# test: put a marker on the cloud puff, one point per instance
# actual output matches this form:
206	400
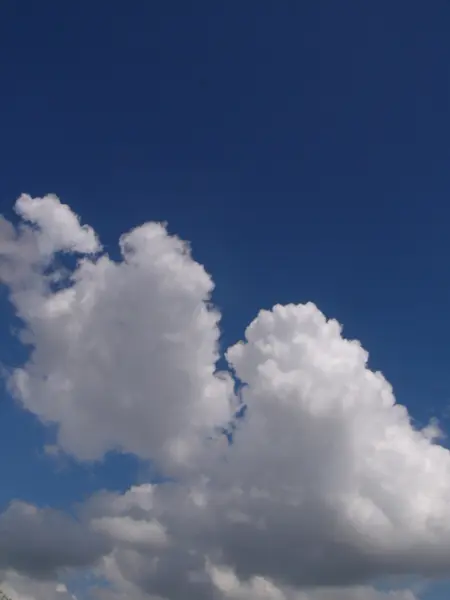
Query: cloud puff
133	565
39	542
59	228
330	479
124	353
326	486
262	589
187	562
20	587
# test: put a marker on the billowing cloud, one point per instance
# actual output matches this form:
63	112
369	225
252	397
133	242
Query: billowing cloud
262	589
187	562
330	480
39	542
19	587
326	486
124	353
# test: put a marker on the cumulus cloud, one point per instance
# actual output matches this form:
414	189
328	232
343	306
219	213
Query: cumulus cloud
326	486
39	542
124	354
59	227
263	589
330	478
19	587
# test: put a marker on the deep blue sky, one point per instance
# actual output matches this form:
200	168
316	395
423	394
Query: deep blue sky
301	146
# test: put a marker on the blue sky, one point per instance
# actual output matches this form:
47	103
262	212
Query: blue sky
301	147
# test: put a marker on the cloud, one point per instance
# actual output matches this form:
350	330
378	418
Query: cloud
262	589
124	354
59	228
39	542
20	587
332	482
326	487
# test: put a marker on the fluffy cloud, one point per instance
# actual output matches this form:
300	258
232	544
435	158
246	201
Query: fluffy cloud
123	353
262	589
327	484
185	563
330	480
39	542
20	587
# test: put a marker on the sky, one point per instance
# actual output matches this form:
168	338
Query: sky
209	206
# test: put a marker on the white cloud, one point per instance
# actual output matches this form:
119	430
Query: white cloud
327	484
334	481
58	228
123	357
